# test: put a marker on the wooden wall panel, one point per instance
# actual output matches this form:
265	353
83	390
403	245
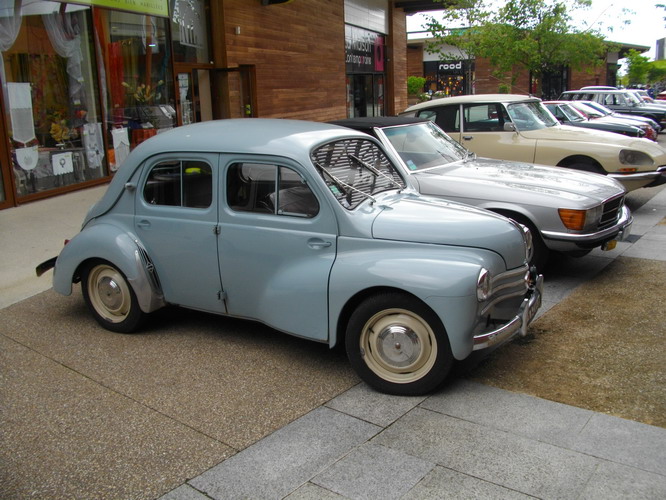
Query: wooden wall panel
415	60
298	50
397	64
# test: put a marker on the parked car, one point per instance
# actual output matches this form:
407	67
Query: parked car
594	111
567	114
567	211
311	229
621	101
520	128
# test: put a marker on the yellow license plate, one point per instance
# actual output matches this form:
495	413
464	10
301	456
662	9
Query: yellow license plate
609	245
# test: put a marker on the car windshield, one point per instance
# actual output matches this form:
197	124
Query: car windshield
424	145
530	116
355	170
599	107
633	98
588	110
569	112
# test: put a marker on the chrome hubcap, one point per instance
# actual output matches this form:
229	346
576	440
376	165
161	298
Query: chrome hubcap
398	346
110	293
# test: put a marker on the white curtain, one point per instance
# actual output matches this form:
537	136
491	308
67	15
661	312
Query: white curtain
63	30
10	25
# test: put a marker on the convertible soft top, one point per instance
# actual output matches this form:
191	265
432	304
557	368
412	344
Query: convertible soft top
368	122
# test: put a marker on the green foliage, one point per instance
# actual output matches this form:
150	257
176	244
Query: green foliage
415	85
637	67
535	35
656	71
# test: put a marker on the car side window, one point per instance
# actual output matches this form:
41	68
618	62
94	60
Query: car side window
180	183
484	117
447	117
269	189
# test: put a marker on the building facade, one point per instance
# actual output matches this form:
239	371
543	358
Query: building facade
85	82
462	75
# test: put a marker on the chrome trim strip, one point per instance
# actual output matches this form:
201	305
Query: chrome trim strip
638	176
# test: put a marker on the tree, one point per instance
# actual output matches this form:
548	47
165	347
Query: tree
637	67
533	35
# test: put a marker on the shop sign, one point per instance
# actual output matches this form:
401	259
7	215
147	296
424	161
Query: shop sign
364	51
451	67
150	7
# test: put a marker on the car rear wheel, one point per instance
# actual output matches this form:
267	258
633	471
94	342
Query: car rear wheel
110	297
397	345
587	167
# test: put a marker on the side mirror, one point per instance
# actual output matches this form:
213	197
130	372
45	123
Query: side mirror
509	127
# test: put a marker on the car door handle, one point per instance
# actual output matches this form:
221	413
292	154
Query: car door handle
317	243
468	137
143	224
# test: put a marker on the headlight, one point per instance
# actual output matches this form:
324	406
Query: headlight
580	220
633	157
529	246
484	288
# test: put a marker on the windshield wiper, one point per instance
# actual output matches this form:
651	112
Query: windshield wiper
374	170
341	185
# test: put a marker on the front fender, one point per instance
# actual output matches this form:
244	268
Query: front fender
441	276
114	245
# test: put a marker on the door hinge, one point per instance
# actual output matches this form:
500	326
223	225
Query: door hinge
217	230
222	295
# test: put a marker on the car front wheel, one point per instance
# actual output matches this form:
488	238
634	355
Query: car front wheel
397	345
110	297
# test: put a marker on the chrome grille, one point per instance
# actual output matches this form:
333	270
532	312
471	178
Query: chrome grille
508	285
611	212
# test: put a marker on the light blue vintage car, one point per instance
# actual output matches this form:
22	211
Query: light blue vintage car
310	229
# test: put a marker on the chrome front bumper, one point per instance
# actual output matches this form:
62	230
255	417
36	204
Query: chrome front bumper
518	325
619	231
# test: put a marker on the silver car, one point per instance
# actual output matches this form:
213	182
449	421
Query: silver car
567	210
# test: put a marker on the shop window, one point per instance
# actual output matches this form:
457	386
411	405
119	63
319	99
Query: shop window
50	94
190	31
138	80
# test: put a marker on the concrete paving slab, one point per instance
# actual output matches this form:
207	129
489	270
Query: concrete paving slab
361	401
184	492
624	441
311	491
511	461
282	462
519	414
372	471
35	232
617	482
442	483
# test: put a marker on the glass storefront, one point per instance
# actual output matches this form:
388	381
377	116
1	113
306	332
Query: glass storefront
365	63
50	93
139	96
84	84
448	78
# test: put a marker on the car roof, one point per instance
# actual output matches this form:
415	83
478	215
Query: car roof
369	122
294	139
475	98
243	135
596	91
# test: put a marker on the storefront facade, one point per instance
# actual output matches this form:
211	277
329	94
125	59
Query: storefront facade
83	84
86	81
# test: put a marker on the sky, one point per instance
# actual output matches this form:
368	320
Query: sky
646	25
